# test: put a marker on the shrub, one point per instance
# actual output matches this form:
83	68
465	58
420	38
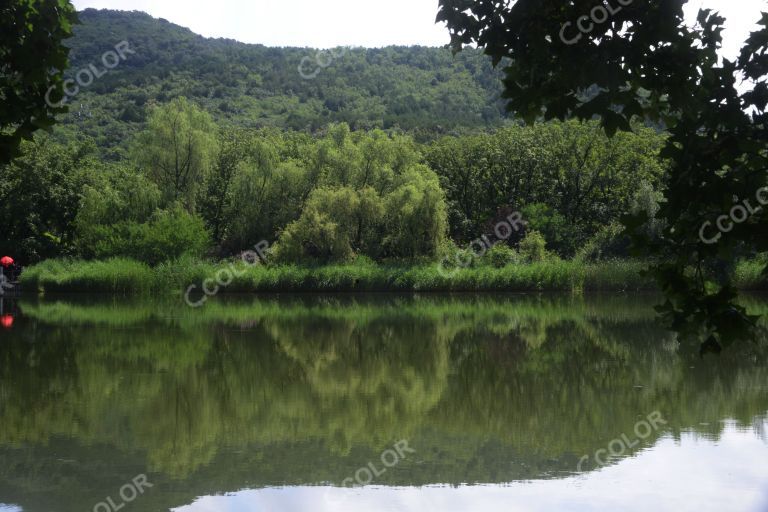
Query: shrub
334	223
170	234
552	226
533	248
167	235
501	255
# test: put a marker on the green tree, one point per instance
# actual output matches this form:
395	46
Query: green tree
32	62
584	180
177	149
166	235
372	198
336	224
416	218
266	195
40	197
644	61
215	201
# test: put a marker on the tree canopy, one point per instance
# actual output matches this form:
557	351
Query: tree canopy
416	88
643	61
32	62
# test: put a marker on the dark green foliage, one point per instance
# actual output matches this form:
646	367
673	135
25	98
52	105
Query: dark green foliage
32	61
568	179
40	197
609	243
167	235
561	236
645	62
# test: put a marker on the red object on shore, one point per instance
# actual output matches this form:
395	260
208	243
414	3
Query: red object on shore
6	321
6	261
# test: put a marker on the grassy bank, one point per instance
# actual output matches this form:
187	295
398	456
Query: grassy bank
128	276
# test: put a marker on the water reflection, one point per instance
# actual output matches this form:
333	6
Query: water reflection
7	317
278	394
687	474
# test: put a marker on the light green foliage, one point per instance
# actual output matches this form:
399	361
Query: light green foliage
533	248
117	194
323	199
416	218
373	199
176	149
116	275
501	255
169	234
174	277
334	226
113	203
268	192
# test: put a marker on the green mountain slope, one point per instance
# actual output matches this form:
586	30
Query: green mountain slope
414	88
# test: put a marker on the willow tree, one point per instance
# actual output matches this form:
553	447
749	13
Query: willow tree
177	149
622	61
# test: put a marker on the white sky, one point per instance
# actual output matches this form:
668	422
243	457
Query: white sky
369	23
672	476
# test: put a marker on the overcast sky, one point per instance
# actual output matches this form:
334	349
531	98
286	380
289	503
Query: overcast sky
370	23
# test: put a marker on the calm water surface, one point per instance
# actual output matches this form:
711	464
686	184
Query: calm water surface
374	403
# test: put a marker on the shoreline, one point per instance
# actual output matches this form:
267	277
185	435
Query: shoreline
191	277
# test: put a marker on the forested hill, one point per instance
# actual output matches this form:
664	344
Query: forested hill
419	89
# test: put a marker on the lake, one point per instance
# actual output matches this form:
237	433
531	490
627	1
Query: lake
374	403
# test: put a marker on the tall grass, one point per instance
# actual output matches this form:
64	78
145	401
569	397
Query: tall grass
115	275
120	275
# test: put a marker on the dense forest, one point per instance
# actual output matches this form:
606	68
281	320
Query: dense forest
192	149
242	273
414	88
207	147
